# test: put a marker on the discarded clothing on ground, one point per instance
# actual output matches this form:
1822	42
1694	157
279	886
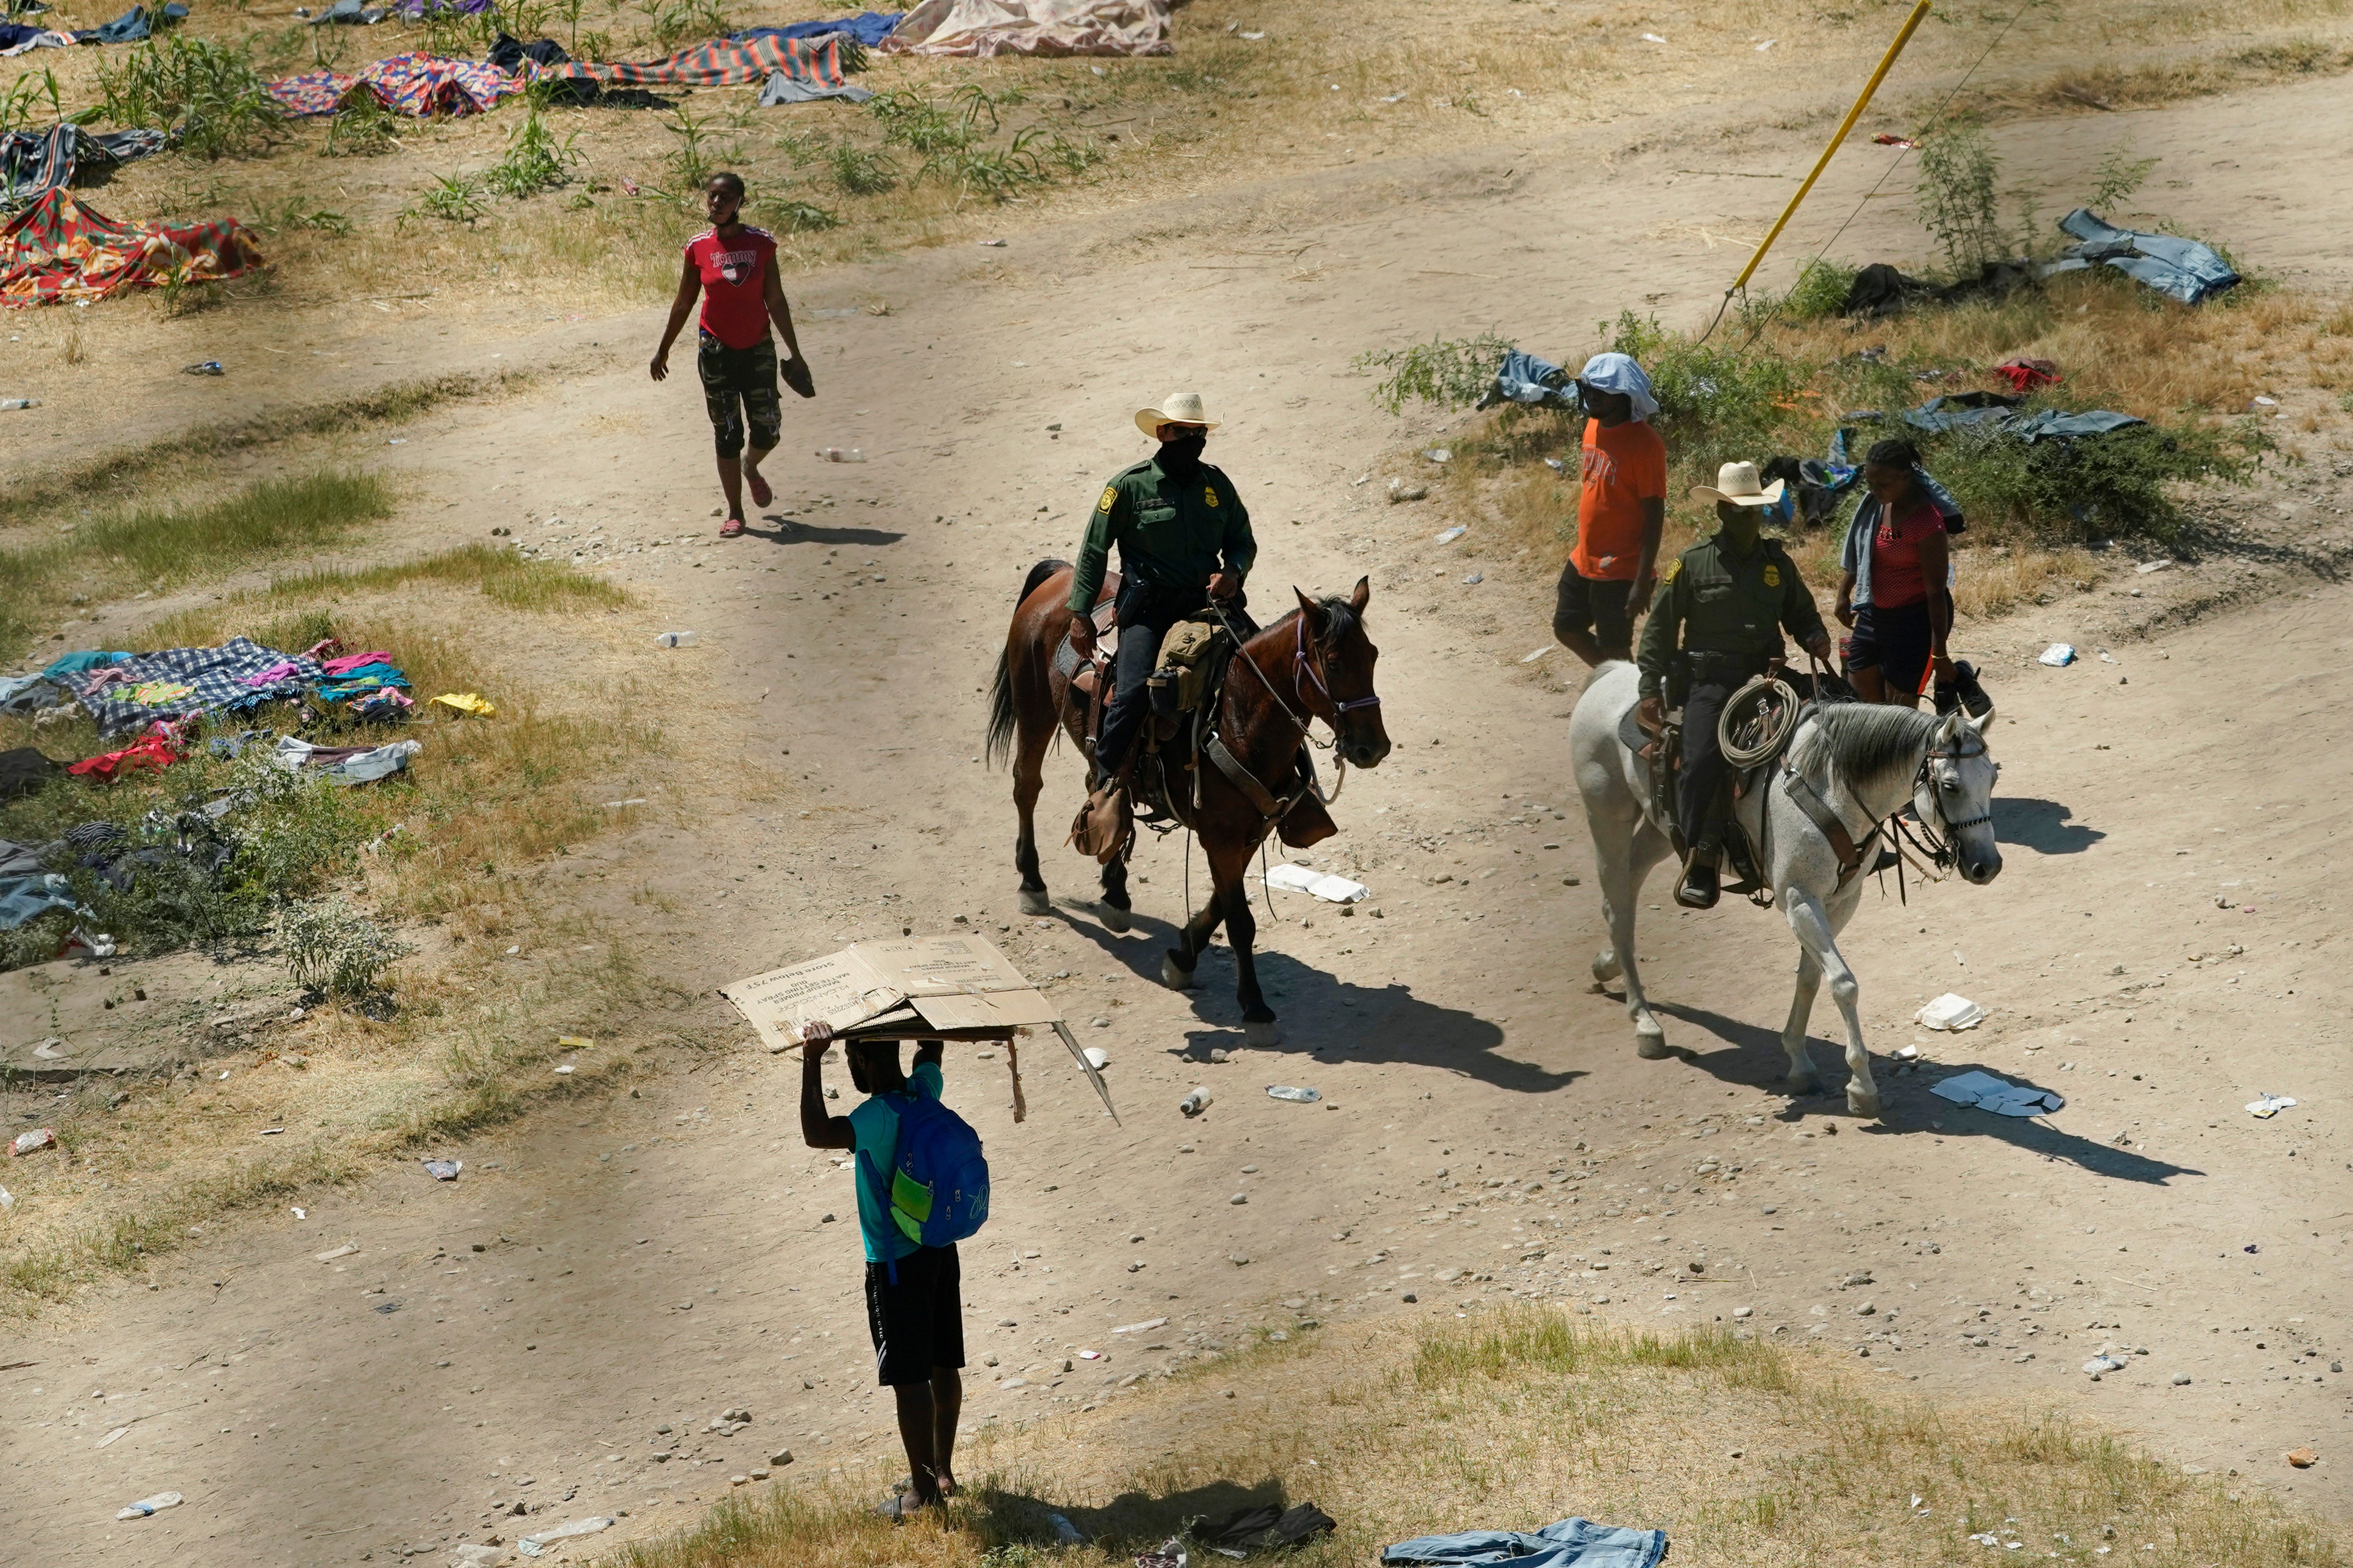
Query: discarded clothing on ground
24	769
25	693
75	663
1996	413
2181	268
132	25
345	764
352	14
57	249
1566	1543
720	63
415	10
1988	1092
420	86
2025	374
32	162
154	751
1880	289
25	898
1523	378
510	55
345	664
1264	1527
181	681
15	39
867	27
984	27
782	89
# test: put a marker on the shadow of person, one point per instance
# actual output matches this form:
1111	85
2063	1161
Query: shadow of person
1323	1018
2042	825
1751	1056
784	529
1135	1520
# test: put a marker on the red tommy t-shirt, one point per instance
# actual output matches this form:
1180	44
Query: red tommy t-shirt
1896	576
734	283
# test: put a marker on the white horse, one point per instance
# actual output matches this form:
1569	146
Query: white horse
1860	763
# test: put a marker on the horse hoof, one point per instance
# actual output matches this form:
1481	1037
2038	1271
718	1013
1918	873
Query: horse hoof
1863	1105
1262	1035
1034	902
1173	978
1650	1043
1606	968
1115	921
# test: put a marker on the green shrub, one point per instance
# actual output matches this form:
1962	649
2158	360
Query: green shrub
1956	197
535	161
209	91
330	947
1451	372
2111	486
453	198
1718	402
800	217
1821	289
858	172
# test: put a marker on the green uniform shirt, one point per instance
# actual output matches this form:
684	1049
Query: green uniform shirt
1171	534
1724	603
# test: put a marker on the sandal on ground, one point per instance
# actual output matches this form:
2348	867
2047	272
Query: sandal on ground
732	527
762	494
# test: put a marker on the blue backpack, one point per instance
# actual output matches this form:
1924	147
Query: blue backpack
939	1180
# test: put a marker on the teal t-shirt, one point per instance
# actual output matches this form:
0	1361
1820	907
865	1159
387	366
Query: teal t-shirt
875	1126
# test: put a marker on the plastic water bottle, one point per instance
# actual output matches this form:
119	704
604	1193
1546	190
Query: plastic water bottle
674	640
13	403
1284	1091
1196	1102
836	455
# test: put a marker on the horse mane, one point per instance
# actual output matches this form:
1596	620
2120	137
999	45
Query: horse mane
1863	743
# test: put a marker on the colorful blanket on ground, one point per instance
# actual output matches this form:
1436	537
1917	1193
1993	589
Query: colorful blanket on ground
418	86
983	27
58	249
181	681
724	62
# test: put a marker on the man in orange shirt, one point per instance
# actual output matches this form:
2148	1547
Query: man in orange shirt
1622	510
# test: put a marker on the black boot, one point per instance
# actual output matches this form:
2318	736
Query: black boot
1698	890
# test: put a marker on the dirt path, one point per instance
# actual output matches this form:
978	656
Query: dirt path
1488	1127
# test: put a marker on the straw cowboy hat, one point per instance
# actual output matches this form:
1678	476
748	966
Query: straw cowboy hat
1736	483
1176	409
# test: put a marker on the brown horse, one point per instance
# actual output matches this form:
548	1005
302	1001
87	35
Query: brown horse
1314	663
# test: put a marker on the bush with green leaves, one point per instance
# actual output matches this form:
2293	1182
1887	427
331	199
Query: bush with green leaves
1450	372
1957	197
861	172
453	198
1717	400
207	91
361	127
333	949
535	161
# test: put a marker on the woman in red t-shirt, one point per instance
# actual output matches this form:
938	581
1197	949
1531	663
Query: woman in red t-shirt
1907	612
734	266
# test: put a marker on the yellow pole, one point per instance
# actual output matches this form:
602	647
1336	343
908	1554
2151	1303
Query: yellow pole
1887	61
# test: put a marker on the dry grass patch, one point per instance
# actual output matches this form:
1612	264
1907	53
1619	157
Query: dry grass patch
1511	1418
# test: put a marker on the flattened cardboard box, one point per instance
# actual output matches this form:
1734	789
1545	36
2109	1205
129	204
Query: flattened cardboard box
904	986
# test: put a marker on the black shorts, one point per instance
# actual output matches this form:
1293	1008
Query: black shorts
1595	605
739	390
1894	640
918	1323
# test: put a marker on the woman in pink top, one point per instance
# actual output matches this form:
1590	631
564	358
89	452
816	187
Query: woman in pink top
1898	601
732	266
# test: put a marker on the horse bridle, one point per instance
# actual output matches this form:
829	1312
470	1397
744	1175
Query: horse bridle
1941	849
1304	668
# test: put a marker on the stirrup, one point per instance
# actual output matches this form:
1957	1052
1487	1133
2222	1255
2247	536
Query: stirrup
1700	887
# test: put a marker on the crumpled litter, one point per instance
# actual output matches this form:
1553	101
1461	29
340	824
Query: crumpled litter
443	1170
1953	1013
32	1139
465	703
531	1545
148	1505
1987	1092
2057	656
2264	1107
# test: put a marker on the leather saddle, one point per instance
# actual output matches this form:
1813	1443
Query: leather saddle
1661	759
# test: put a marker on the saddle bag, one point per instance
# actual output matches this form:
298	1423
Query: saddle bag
1184	673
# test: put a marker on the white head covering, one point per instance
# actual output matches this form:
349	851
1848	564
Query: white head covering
1619	372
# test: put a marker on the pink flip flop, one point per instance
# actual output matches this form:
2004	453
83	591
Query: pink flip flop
732	527
762	494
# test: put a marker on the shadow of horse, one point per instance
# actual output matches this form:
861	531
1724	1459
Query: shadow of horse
1324	1018
2042	825
1752	1056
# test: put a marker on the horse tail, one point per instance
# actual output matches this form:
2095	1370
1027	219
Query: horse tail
1002	716
1000	709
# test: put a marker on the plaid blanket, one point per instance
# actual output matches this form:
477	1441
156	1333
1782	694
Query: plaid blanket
182	681
724	62
420	86
57	249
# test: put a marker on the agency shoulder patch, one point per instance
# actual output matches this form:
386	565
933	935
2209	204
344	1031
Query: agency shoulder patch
1673	567
1109	497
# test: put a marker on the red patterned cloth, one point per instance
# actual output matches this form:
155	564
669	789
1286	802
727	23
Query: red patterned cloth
418	86
59	249
722	62
2025	374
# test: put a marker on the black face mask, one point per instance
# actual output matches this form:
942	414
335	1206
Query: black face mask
1180	458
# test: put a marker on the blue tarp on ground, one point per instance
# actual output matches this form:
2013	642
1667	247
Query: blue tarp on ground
1566	1543
869	28
2183	269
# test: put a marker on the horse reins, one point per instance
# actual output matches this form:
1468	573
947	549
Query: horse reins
1303	668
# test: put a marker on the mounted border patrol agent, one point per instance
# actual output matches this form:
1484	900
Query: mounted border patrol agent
1184	540
1721	609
